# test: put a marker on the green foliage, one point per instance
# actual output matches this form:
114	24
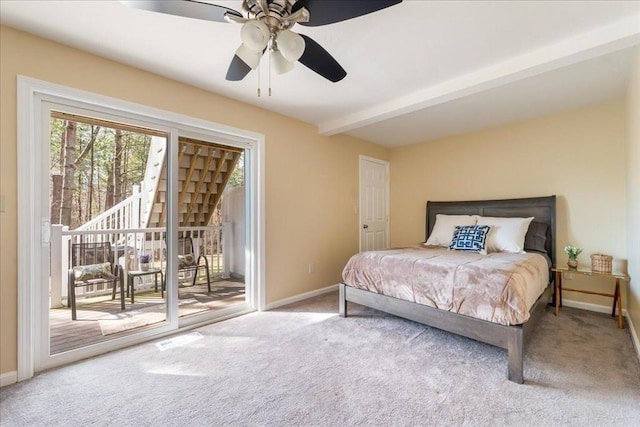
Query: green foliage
572	251
95	157
57	132
95	164
237	177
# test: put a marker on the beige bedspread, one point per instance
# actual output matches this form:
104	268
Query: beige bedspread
498	287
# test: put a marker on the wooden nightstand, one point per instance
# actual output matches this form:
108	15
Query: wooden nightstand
616	295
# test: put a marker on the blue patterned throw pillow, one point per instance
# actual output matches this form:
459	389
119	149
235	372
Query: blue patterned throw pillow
470	238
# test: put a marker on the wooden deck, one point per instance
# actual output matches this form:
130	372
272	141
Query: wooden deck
102	319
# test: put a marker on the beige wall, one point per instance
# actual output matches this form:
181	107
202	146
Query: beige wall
311	181
579	156
633	191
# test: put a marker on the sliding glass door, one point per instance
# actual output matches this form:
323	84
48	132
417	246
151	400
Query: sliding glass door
141	222
107	195
107	182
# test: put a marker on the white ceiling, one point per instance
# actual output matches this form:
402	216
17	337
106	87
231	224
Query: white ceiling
417	71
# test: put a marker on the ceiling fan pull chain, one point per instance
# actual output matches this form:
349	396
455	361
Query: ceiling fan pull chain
269	72
258	70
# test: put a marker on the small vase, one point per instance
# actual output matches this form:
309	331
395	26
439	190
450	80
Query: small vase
572	263
144	266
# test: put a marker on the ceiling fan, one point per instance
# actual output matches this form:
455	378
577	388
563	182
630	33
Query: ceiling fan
266	26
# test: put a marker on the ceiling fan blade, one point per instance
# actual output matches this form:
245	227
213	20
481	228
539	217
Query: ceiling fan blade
317	59
238	69
186	8
323	12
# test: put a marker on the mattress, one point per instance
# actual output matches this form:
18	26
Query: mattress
498	287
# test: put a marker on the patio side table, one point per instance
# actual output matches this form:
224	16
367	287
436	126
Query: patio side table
132	274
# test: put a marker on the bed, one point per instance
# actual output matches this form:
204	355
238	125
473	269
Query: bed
508	331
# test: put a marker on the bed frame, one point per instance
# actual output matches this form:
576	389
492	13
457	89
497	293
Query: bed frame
511	338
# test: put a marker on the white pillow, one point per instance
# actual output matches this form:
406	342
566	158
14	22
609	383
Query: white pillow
506	234
444	227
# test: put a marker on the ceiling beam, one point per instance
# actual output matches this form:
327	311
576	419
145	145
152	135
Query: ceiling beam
585	46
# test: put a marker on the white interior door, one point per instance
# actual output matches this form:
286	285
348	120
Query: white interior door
374	204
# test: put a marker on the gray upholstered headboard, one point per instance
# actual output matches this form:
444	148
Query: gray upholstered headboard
543	209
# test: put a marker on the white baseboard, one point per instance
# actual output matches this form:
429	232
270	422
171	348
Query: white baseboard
591	307
8	378
634	336
300	297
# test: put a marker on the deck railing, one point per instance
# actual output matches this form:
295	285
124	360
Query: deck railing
214	242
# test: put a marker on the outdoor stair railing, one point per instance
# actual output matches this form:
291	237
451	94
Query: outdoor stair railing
124	215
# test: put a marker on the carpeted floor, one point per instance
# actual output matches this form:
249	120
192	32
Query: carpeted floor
302	365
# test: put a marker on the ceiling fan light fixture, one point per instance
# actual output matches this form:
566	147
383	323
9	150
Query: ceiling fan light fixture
249	56
267	23
290	44
279	63
255	35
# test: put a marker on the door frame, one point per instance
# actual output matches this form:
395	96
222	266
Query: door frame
33	207
362	158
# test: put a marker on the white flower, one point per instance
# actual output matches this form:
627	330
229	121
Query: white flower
572	251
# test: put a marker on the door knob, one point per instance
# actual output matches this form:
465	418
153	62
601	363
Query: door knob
365	226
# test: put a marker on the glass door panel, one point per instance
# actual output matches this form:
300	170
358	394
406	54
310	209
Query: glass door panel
107	191
211	220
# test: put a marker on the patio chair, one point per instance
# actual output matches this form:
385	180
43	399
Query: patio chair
187	261
93	264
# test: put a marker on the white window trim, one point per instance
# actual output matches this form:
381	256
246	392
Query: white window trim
31	94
